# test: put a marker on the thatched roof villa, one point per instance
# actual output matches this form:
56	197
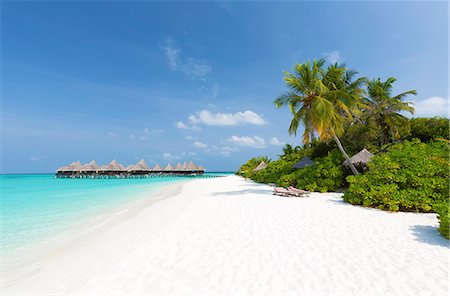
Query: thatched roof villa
261	166
360	158
116	169
303	163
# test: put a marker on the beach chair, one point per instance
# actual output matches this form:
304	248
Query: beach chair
287	192
281	191
300	192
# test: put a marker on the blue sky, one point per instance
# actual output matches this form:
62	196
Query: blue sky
170	81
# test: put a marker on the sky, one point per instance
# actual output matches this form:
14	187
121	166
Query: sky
180	81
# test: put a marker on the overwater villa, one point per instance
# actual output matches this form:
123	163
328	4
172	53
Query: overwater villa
117	170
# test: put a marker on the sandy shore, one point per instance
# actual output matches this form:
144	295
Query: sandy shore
230	236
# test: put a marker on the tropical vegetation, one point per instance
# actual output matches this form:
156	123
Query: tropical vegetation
341	114
411	176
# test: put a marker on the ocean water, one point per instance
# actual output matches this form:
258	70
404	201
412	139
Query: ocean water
37	208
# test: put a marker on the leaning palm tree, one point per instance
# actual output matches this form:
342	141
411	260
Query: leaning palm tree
322	99
385	109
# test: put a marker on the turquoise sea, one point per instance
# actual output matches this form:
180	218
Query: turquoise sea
35	208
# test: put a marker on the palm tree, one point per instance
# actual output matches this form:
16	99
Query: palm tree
322	99
287	149
384	108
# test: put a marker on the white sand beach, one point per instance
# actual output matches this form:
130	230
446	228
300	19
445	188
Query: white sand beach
231	236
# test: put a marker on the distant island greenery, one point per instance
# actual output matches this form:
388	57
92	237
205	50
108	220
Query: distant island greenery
342	114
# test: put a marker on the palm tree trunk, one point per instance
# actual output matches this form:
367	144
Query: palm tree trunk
352	167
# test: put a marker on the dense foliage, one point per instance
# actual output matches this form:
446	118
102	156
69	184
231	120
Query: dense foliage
246	170
411	176
325	175
341	114
427	129
444	219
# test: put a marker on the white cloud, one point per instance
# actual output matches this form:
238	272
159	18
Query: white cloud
225	119
143	138
227	150
181	125
274	141
333	57
171	52
246	141
133	137
433	106
189	66
200	144
195	69
188	153
168	156
224	150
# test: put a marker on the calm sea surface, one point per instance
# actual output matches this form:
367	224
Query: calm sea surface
39	207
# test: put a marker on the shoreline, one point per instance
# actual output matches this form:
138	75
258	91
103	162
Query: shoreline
106	218
231	236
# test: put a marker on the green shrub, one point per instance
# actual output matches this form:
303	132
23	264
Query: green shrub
411	176
246	170
427	129
444	219
325	175
275	169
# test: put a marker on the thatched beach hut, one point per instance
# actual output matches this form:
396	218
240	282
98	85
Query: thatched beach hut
115	166
74	165
191	167
303	163
116	170
169	168
360	159
157	169
261	166
140	168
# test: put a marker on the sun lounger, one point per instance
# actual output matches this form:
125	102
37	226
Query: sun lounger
289	193
281	191
299	191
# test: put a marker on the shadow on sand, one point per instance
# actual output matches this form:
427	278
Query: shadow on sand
428	234
245	191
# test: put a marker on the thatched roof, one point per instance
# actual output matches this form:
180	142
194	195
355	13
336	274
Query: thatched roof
66	168
115	166
169	167
260	166
200	168
104	167
90	167
362	157
82	168
74	166
140	166
191	166
157	168
178	167
302	163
